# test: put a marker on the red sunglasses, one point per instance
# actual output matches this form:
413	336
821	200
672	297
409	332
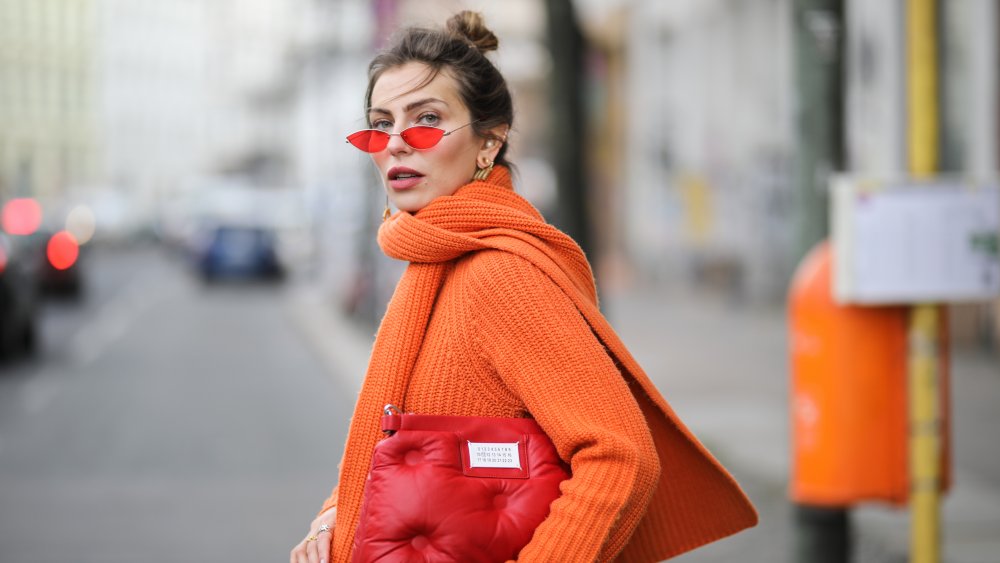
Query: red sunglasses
420	137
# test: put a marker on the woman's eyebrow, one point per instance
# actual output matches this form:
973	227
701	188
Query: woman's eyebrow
411	106
426	101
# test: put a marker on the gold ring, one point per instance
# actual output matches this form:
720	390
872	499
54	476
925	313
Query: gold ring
311	538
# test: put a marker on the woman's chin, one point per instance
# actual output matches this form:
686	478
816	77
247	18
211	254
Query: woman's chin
408	204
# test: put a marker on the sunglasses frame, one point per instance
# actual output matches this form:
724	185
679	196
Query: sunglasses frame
400	135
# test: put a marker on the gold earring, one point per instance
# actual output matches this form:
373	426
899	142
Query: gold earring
483	172
386	213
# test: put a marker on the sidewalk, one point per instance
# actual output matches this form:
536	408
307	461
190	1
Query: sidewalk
724	370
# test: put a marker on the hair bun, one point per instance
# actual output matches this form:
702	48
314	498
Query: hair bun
469	26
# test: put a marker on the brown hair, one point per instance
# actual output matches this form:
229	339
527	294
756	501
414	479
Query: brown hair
459	50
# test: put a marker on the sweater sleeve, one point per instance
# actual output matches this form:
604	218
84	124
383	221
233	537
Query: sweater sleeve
545	352
331	501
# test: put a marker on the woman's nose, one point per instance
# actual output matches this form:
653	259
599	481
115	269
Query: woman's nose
397	144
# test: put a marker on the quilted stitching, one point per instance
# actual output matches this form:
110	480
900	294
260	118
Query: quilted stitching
421	506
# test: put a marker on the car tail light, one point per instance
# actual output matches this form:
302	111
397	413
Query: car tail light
21	216
62	250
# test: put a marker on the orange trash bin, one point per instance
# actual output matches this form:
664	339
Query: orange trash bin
849	394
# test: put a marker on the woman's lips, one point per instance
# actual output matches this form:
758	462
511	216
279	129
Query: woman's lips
405	183
401	178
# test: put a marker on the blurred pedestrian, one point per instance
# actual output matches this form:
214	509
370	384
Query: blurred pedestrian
496	315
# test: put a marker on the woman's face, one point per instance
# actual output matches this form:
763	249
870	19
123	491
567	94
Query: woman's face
413	178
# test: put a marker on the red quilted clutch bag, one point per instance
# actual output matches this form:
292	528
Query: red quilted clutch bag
456	488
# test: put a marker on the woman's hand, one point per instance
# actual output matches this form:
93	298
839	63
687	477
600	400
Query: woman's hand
315	547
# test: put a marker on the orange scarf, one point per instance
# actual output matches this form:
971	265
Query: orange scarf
480	215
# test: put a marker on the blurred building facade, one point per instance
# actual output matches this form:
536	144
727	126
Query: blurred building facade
708	143
191	88
969	91
141	97
153	93
699	150
335	43
49	133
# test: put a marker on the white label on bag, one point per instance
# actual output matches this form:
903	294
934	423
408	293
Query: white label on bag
486	454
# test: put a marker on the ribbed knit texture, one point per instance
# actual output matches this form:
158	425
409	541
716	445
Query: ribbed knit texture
497	315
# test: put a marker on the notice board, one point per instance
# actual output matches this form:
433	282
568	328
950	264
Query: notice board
910	242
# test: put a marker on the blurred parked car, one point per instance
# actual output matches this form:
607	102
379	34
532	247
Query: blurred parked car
18	299
238	252
59	263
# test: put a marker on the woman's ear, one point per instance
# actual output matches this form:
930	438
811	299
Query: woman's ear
491	145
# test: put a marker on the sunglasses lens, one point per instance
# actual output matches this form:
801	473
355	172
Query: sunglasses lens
369	140
422	137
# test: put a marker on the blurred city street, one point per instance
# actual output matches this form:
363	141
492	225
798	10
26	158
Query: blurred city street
165	420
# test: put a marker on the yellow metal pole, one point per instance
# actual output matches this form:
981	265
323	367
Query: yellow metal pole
922	77
925	526
924	397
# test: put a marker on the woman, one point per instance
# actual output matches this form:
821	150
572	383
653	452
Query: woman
496	315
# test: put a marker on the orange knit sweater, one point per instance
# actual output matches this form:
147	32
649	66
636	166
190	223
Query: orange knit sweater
496	315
